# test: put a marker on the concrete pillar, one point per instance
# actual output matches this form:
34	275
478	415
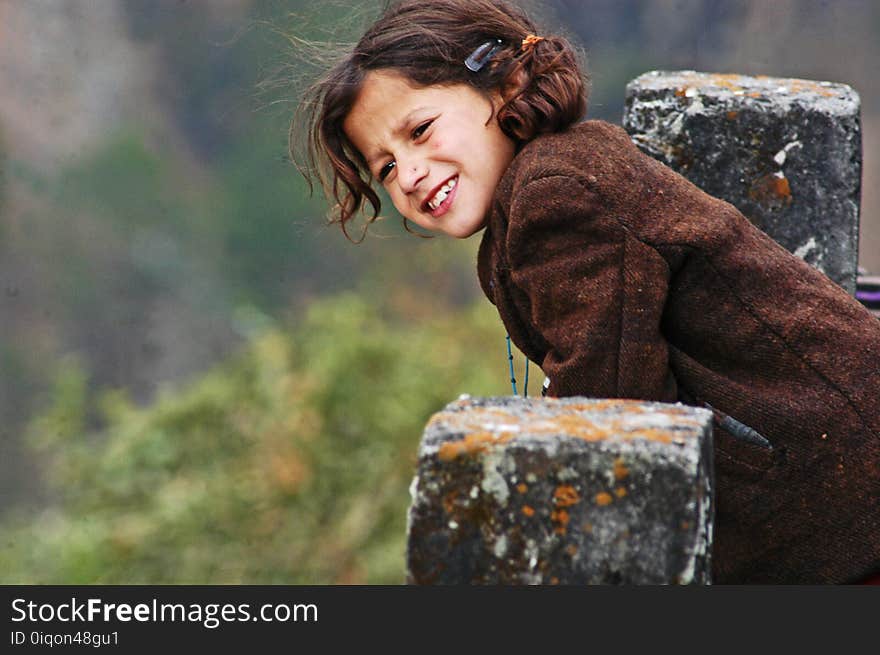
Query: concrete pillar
785	152
562	491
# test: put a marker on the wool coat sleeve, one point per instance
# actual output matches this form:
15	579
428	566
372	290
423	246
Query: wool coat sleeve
592	290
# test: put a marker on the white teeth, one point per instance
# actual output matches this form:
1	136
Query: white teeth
442	193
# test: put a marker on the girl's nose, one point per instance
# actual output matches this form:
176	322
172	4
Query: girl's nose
410	175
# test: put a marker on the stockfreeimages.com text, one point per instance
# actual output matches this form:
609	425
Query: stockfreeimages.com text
210	615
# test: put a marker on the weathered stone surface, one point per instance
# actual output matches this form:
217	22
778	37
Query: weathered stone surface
785	152
562	491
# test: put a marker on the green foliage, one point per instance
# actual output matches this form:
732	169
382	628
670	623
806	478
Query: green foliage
266	220
124	181
289	463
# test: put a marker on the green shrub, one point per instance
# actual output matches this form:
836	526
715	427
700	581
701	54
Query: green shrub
288	464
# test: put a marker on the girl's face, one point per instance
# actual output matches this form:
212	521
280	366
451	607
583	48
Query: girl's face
433	148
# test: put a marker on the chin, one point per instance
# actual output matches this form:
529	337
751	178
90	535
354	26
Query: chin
466	231
464	234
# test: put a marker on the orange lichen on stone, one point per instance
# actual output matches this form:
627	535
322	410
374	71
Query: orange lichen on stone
561	518
731	115
727	81
522	488
485	427
575	426
678	411
571	549
602	405
725	78
587	527
734	82
603	498
798	86
565	496
498	415
620	469
771	190
620	492
473	418
685	525
631	407
528	511
472	444
448	451
449	501
727	84
782	187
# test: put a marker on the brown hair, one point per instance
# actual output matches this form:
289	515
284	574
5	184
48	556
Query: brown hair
427	41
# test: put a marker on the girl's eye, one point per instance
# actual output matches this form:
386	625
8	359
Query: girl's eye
417	133
420	130
386	170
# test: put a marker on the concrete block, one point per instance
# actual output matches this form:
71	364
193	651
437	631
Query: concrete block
786	152
562	491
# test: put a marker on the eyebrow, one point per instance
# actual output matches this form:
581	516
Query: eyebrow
400	127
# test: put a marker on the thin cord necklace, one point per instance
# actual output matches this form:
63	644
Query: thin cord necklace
512	376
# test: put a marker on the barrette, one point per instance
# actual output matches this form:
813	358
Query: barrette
480	57
530	41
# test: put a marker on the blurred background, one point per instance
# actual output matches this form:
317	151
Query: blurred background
200	381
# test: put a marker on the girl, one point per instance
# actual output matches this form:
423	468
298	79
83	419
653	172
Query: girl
618	276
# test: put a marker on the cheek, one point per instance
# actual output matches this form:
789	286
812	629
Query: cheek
399	201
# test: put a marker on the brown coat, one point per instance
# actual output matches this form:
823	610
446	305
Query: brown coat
621	279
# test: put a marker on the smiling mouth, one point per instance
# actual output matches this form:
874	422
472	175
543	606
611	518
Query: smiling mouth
434	202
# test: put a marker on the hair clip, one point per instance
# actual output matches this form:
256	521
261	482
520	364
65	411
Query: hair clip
479	57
